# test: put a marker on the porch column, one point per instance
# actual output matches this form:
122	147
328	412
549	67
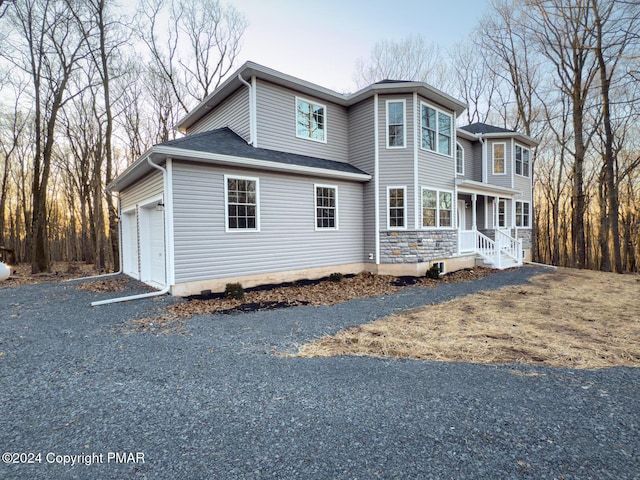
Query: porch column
496	209
474	199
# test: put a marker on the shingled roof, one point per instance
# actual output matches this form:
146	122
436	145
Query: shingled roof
485	128
225	141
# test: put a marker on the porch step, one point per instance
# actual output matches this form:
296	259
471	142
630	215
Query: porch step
505	262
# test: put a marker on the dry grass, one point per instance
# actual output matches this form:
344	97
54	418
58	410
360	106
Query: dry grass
570	318
21	274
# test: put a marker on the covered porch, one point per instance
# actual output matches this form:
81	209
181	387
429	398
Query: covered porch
486	226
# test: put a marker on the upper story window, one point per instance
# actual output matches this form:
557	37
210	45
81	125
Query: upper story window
436	208
436	130
523	156
499	150
396	199
459	159
326	207
396	136
311	120
242	207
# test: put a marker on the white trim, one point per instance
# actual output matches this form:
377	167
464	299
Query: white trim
458	144
453	208
416	171
376	173
451	133
515	170
168	205
404	208
315	207
226	204
404	122
521	227
513	164
493	158
317	104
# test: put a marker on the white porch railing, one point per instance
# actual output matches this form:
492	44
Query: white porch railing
502	252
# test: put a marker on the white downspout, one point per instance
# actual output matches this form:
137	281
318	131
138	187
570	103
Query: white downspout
119	247
376	175
167	287
252	112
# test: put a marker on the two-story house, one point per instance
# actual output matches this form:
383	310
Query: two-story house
278	179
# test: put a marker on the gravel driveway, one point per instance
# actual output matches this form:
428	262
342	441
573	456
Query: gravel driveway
215	402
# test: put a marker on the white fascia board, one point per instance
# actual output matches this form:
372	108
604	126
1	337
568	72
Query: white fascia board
518	136
471	186
216	158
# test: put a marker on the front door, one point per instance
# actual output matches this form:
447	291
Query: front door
462	215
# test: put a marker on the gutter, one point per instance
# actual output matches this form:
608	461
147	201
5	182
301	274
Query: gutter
166	287
252	112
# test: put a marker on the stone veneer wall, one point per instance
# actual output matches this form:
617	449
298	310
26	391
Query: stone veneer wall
417	246
523	233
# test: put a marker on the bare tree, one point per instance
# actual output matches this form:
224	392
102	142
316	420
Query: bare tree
409	59
46	46
197	47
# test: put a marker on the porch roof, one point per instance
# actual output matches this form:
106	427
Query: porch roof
471	186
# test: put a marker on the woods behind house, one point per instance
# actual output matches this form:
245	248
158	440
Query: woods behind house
88	87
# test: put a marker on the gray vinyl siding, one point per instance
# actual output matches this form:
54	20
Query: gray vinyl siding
362	155
500	180
396	165
149	187
287	239
467	147
477	163
276	124
232	113
523	184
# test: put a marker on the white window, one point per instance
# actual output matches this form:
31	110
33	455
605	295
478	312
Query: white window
326	207
523	217
396	131
436	208
242	203
436	129
501	214
459	159
311	120
523	156
396	200
499	156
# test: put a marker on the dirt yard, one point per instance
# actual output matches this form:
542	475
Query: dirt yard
570	318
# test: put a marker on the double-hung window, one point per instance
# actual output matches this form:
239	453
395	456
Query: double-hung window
396	199
459	159
523	217
396	132
523	156
242	203
436	130
436	208
326	207
311	120
499	157
501	214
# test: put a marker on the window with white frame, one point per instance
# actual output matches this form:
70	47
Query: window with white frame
501	214
311	119
459	159
523	156
326	207
242	203
523	217
396	199
499	158
396	137
436	208
436	130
